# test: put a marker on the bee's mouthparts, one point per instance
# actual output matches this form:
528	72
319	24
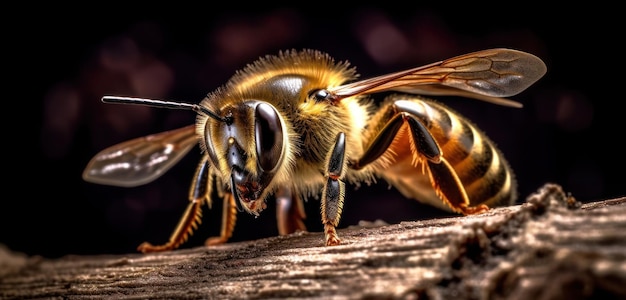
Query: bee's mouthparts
245	189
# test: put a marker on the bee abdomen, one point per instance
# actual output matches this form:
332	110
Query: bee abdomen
485	174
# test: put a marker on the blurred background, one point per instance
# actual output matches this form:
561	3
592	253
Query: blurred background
62	65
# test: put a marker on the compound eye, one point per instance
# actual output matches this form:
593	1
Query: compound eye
268	133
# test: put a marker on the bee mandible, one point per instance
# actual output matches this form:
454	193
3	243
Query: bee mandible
299	124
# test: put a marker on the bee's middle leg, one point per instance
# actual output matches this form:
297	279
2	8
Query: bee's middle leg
334	190
289	212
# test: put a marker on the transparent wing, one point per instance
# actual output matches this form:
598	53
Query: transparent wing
486	75
141	160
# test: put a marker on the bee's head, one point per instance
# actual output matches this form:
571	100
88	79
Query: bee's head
248	143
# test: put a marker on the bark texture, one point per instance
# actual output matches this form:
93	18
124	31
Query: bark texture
550	247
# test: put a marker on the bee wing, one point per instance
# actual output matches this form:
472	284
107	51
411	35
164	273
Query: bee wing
487	75
141	160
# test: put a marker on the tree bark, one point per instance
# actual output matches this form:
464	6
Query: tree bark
550	247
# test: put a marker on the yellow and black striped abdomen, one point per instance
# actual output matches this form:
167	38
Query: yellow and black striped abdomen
479	164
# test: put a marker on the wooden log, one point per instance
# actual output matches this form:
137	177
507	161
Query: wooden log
550	247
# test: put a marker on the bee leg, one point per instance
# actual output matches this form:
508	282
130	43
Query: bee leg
449	188
424	149
289	212
424	144
198	192
229	218
334	191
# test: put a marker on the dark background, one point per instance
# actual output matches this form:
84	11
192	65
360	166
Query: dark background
58	66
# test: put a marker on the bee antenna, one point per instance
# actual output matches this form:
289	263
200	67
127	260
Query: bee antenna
163	104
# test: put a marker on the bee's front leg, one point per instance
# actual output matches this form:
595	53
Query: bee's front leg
199	191
229	218
334	190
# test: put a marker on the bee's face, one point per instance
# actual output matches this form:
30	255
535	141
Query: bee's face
249	147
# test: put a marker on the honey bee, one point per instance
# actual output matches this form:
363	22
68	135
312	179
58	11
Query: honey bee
299	124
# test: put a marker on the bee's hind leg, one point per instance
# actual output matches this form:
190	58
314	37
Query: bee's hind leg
425	149
449	188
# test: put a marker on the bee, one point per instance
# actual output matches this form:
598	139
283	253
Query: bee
300	124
